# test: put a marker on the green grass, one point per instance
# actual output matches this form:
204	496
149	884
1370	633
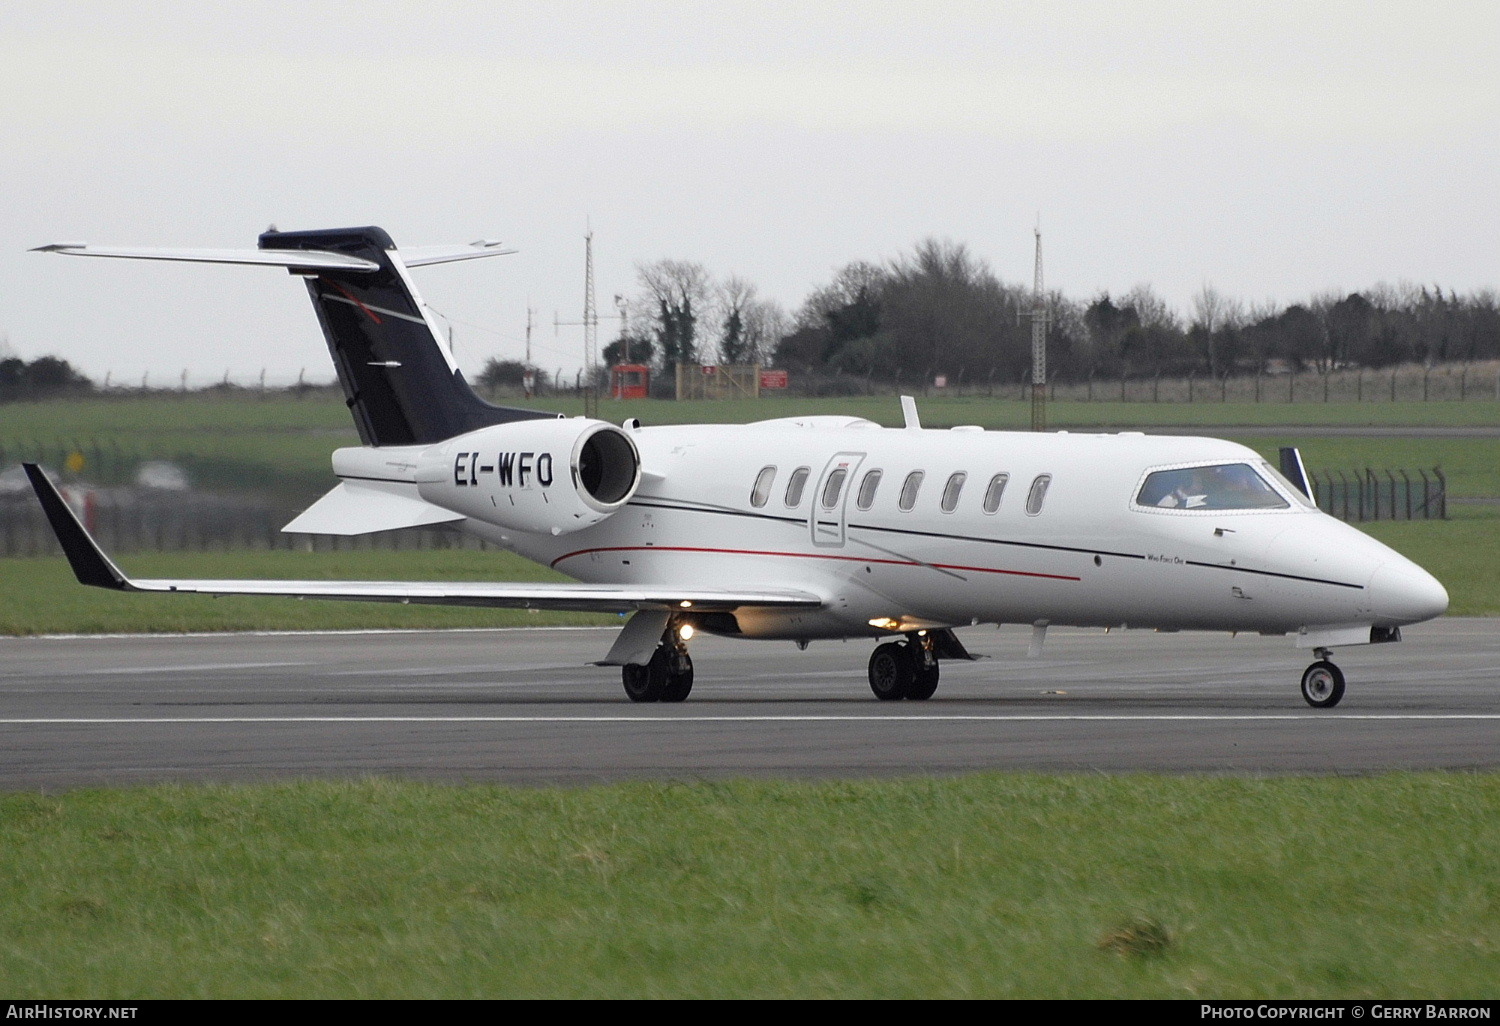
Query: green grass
987	886
41	596
1463	553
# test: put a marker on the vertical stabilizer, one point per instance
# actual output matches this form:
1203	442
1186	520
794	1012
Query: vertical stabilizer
400	382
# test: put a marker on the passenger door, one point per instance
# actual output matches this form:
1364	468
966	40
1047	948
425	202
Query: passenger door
830	499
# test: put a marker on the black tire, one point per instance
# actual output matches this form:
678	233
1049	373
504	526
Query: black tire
1323	685
641	685
924	680
679	678
891	671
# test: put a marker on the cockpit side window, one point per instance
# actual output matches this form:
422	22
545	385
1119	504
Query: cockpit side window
1228	486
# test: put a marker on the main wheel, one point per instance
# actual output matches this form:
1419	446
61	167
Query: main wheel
641	685
892	671
1323	685
924	680
679	677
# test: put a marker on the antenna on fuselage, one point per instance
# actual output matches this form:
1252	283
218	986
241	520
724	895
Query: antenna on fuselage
909	414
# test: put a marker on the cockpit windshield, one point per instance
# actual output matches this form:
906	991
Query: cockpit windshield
1229	486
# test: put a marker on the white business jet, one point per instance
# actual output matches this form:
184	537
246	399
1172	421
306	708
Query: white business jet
797	528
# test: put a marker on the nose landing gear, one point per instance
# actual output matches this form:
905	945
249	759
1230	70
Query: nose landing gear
667	677
1322	682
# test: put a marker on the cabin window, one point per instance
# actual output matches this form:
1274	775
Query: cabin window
951	491
795	485
993	493
1038	494
833	487
1231	486
909	489
866	497
762	490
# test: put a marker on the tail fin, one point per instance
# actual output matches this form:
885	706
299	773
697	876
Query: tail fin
399	381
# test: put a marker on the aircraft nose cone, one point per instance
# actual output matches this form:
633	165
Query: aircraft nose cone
1406	594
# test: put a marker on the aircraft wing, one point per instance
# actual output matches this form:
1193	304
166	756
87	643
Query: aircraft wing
93	567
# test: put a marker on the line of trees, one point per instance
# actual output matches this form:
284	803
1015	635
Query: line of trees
941	310
42	378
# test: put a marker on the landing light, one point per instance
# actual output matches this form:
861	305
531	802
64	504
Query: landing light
885	623
685	632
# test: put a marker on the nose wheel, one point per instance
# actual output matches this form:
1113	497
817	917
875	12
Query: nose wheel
1323	684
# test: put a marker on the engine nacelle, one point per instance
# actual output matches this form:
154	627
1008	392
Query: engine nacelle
543	476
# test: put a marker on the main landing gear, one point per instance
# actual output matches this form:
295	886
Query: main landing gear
905	669
668	677
1322	682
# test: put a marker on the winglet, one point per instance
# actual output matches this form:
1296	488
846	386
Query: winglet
90	565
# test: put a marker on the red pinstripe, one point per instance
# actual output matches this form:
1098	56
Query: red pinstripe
812	555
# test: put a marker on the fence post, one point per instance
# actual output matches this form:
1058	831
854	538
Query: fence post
1374	493
1442	493
1407	478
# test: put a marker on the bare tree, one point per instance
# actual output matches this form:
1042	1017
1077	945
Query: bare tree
678	291
765	325
1214	314
851	284
1151	308
736	297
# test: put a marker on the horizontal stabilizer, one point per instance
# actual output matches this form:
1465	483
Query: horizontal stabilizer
311	259
364	507
92	566
305	259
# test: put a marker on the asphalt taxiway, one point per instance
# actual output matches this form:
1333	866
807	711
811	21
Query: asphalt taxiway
524	706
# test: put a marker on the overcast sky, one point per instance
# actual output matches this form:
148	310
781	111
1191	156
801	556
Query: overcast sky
1273	150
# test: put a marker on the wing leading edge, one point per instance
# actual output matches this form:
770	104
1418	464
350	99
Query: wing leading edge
92	567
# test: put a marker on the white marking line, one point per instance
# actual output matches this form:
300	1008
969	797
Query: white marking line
1275	717
197	668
